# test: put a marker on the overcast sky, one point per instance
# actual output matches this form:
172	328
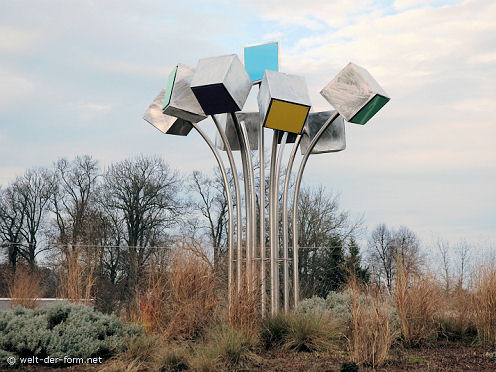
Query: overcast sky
76	77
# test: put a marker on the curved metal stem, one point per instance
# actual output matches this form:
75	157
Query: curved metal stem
253	214
229	199
239	221
276	204
274	290
285	220
295	203
244	160
262	215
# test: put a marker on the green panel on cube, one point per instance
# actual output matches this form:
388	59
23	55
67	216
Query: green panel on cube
168	88
369	110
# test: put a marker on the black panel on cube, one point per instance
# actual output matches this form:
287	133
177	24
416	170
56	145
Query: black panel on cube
291	137
215	99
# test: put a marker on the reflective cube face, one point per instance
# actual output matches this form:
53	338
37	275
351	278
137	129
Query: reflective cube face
221	84
252	124
333	139
261	57
355	94
283	101
165	123
179	100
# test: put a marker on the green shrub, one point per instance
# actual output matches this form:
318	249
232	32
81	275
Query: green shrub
62	329
338	306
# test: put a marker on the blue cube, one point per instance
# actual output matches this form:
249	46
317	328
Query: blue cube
261	57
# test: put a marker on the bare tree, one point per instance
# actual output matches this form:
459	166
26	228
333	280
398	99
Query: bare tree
145	193
214	208
462	253
35	188
382	255
72	197
390	248
12	215
323	231
443	249
406	245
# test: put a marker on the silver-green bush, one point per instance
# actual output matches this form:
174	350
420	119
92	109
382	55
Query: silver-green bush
60	330
338	305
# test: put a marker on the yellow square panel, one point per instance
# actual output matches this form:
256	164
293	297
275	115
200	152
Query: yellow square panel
286	116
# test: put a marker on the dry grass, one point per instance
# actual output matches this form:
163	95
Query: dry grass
244	312
77	277
456	316
371	334
419	302
226	349
24	288
179	301
484	303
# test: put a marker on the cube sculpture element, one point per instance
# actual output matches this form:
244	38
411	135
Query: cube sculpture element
283	101
261	57
165	123
332	140
252	123
355	94
179	100
221	84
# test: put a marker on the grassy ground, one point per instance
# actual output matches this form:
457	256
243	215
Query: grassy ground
443	356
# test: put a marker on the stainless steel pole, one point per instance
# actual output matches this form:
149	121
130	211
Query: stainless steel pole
253	214
244	160
262	216
274	290
239	221
276	207
285	221
295	203
229	204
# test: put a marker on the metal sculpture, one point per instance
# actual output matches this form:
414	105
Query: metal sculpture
219	87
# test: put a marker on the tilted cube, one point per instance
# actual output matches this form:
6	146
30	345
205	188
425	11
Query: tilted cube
165	123
252	123
283	101
221	84
355	94
261	57
179	100
333	139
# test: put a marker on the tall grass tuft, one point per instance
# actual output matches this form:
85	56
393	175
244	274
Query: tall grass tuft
244	312
226	349
179	300
311	332
24	288
484	303
419	302
77	278
371	333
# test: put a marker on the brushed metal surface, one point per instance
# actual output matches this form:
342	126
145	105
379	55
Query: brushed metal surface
183	103
282	87
165	123
221	84
351	89
252	123
333	139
